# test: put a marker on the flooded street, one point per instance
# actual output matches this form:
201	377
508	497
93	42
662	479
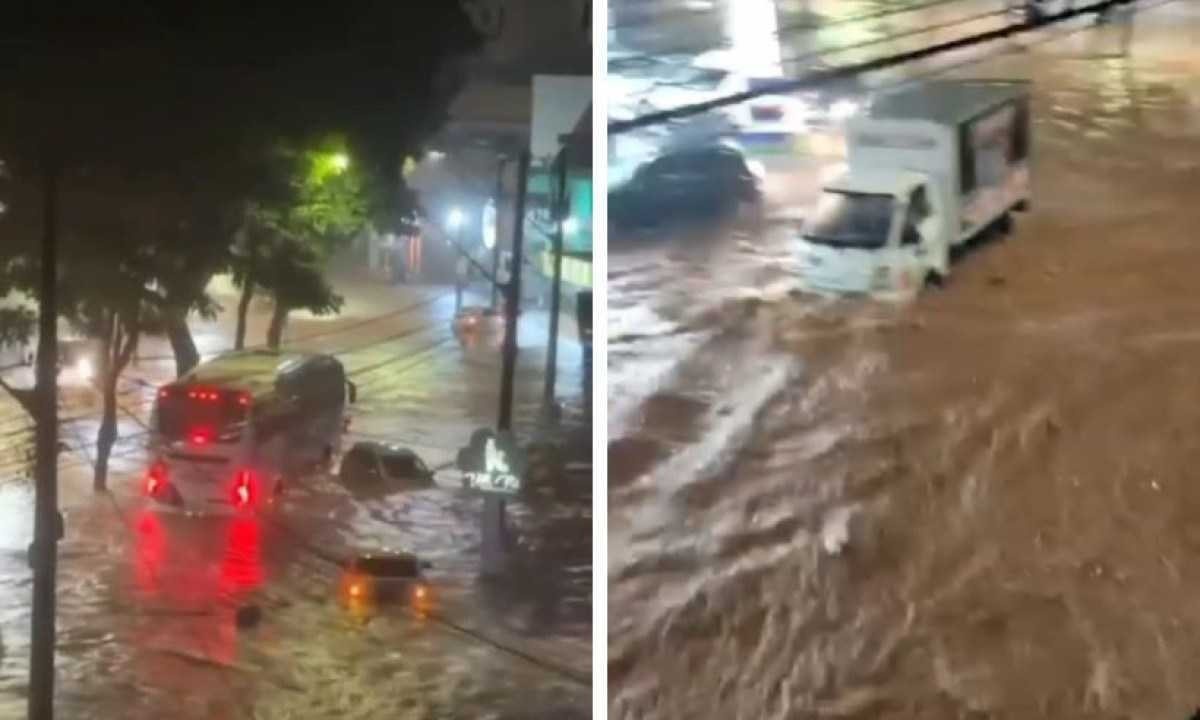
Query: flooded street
147	598
979	504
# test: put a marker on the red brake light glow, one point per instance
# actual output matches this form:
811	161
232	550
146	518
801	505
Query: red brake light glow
201	436
156	477
243	488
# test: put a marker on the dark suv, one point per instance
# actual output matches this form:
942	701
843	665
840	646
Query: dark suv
702	183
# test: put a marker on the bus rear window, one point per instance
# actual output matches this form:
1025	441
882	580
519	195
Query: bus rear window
182	411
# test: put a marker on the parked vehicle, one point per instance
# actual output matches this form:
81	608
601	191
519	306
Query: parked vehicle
227	435
372	464
696	183
929	169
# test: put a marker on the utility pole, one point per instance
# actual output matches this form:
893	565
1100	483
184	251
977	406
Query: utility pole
47	523
496	234
561	210
513	299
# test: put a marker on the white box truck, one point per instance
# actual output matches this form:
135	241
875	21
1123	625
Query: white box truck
928	169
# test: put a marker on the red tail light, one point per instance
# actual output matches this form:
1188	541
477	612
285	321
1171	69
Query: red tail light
156	478
244	488
201	436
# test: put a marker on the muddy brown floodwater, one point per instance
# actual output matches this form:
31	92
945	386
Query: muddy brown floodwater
984	504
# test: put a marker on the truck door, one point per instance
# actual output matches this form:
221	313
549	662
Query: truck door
921	237
912	260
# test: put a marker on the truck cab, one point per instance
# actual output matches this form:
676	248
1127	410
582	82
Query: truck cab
876	233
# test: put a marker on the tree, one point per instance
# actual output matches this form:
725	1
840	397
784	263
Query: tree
183	263
289	236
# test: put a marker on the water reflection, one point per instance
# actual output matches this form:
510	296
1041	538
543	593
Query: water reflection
193	563
241	568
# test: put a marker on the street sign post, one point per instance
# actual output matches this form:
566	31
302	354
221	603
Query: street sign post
493	465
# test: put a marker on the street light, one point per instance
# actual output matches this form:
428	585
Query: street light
340	162
456	218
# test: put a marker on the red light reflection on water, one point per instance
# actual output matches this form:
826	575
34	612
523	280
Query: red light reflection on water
203	568
151	552
242	569
195	564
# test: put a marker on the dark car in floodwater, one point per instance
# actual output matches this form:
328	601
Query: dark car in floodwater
372	465
701	183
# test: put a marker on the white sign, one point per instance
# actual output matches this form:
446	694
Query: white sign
497	475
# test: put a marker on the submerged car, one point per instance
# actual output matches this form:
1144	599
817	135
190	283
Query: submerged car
702	183
373	464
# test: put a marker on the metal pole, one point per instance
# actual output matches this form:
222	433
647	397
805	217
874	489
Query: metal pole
43	553
459	280
562	207
496	235
513	305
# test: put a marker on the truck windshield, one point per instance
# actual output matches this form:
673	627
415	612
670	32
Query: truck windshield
845	219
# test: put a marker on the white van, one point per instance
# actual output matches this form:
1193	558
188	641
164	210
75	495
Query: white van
228	435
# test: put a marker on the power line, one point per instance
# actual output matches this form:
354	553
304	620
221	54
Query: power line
821	77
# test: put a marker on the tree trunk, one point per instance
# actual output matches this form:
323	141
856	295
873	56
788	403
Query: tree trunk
107	435
118	349
182	344
239	338
278	320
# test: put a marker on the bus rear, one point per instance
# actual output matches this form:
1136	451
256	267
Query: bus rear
202	447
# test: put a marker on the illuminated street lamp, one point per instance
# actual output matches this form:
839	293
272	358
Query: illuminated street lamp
456	218
340	162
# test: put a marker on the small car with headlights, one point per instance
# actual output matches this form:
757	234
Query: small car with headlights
386	578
